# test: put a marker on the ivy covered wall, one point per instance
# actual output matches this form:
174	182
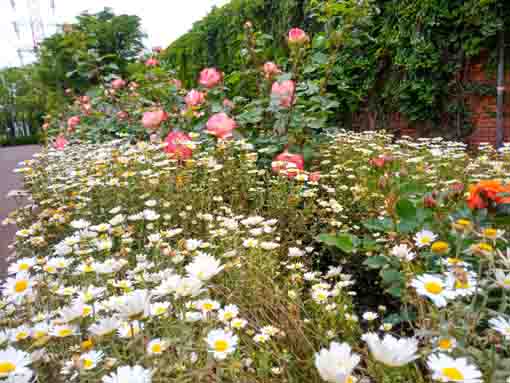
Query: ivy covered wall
397	56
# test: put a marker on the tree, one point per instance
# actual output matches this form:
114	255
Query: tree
96	46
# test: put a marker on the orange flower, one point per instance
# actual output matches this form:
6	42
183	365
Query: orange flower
485	191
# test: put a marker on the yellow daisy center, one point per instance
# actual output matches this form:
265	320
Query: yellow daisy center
484	247
464	222
444	344
24	266
21	335
7	367
160	310
156	348
506	282
88	269
87	363
50	269
433	287
228	315
440	247
349	379
461	285
454	261
86	311
39	334
207	306
490	233
220	345
425	239
64	332
453	373
20	286
87	344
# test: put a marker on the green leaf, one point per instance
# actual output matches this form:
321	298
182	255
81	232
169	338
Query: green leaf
344	241
375	262
406	209
391	275
375	224
395	291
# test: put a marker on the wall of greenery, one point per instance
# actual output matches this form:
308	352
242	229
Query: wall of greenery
378	56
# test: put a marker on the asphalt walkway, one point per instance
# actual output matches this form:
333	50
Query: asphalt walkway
9	159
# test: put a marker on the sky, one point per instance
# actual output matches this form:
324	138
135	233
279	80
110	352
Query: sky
162	20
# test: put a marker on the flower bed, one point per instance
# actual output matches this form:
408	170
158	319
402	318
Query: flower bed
133	265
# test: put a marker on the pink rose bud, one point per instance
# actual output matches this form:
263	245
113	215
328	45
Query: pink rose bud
298	37
152	120
314	177
72	122
221	126
194	98
288	164
178	145
177	83
284	92
60	142
271	69
86	108
122	115
118	83
210	77
151	62
228	104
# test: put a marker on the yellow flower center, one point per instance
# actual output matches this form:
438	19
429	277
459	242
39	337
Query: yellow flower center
39	334
24	266
64	332
484	247
207	307
156	348
464	222
452	373
440	247
88	269
50	269
454	261
490	233
87	363
506	282
349	379
160	310
228	315
425	239
433	287
220	345
21	335
444	344
87	344
7	367
21	286
86	311
461	284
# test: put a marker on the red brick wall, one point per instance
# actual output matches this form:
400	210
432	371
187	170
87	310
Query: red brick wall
483	108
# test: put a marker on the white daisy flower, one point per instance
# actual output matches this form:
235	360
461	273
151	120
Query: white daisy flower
91	359
424	238
129	329
335	365
134	305
501	325
447	369
221	343
433	287
13	362
128	374
63	331
445	344
502	279
403	252
17	288
391	351
104	326
204	267
157	346
21	265
228	313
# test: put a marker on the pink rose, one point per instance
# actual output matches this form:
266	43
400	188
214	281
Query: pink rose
152	62
297	37
288	164
60	142
271	69
118	83
152	120
228	104
72	122
221	126
177	83
314	177
194	98
284	92
86	108
178	145
210	77
122	115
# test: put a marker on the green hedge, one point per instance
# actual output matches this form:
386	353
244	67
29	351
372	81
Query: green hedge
34	139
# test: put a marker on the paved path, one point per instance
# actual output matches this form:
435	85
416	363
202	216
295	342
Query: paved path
9	158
